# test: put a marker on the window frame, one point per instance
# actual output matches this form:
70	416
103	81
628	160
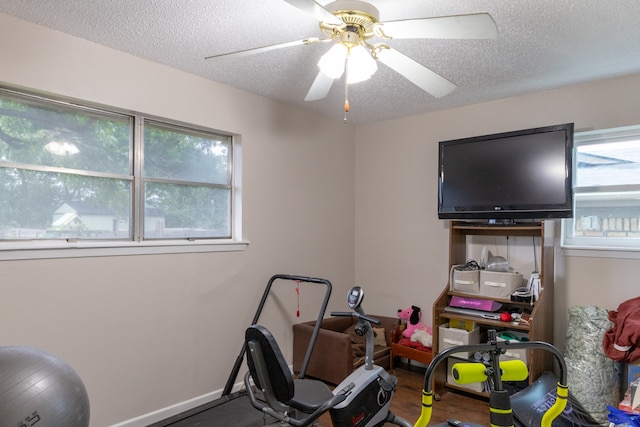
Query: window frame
137	244
605	247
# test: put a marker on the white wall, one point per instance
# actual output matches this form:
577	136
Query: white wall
147	332
402	247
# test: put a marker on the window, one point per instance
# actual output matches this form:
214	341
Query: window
606	191
187	183
71	173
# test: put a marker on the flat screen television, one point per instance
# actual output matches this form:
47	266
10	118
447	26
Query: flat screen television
504	177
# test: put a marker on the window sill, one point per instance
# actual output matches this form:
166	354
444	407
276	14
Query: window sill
617	253
81	249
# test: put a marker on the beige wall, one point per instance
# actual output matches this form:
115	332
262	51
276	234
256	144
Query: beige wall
148	332
401	246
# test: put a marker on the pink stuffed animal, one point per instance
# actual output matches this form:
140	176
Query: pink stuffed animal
413	315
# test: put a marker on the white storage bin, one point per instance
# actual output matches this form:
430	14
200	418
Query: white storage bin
451	337
514	354
465	281
478	387
498	284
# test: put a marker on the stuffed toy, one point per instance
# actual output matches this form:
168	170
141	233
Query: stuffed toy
422	332
423	337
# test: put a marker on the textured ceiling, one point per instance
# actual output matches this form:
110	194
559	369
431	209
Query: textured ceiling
541	44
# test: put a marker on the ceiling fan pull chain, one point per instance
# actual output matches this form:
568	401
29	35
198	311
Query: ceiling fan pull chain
346	88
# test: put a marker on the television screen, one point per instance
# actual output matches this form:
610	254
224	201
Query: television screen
524	174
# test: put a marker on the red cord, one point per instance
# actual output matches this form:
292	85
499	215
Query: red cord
298	294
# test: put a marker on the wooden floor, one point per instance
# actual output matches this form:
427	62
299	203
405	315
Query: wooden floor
407	401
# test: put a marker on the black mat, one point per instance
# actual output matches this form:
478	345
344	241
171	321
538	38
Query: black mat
232	410
530	404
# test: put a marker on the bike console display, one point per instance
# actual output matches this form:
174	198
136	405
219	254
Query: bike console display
355	297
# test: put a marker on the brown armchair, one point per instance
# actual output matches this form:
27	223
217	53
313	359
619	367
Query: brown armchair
336	353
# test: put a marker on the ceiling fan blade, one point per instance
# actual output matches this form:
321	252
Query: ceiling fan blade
317	10
255	50
473	26
416	73
320	87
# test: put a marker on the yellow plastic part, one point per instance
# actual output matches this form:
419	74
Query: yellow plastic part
514	370
475	372
469	372
556	409
427	407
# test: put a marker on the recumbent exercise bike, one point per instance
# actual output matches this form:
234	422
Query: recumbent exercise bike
363	398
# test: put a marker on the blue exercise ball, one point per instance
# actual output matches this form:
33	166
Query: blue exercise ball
39	389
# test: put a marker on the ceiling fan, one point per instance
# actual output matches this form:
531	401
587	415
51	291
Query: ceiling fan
351	24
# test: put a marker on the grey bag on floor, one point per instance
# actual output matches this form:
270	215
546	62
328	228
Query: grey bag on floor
594	379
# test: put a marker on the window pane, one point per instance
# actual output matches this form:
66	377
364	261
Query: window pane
179	155
48	205
612	215
606	190
186	211
49	134
607	164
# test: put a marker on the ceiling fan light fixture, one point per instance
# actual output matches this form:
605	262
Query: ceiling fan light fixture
351	24
332	62
361	65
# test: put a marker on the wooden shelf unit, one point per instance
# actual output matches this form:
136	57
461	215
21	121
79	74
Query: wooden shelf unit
540	327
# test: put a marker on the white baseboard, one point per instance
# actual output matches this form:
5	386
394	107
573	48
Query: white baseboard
178	408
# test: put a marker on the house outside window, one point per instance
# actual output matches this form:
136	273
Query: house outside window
606	191
75	173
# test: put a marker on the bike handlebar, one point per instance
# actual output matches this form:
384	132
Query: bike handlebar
361	316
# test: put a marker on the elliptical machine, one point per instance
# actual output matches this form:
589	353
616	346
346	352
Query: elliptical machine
362	399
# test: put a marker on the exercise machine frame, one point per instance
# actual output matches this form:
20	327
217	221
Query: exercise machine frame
500	411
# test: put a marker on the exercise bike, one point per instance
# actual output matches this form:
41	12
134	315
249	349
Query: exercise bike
362	399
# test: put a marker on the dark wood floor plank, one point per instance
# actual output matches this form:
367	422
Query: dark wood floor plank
452	404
